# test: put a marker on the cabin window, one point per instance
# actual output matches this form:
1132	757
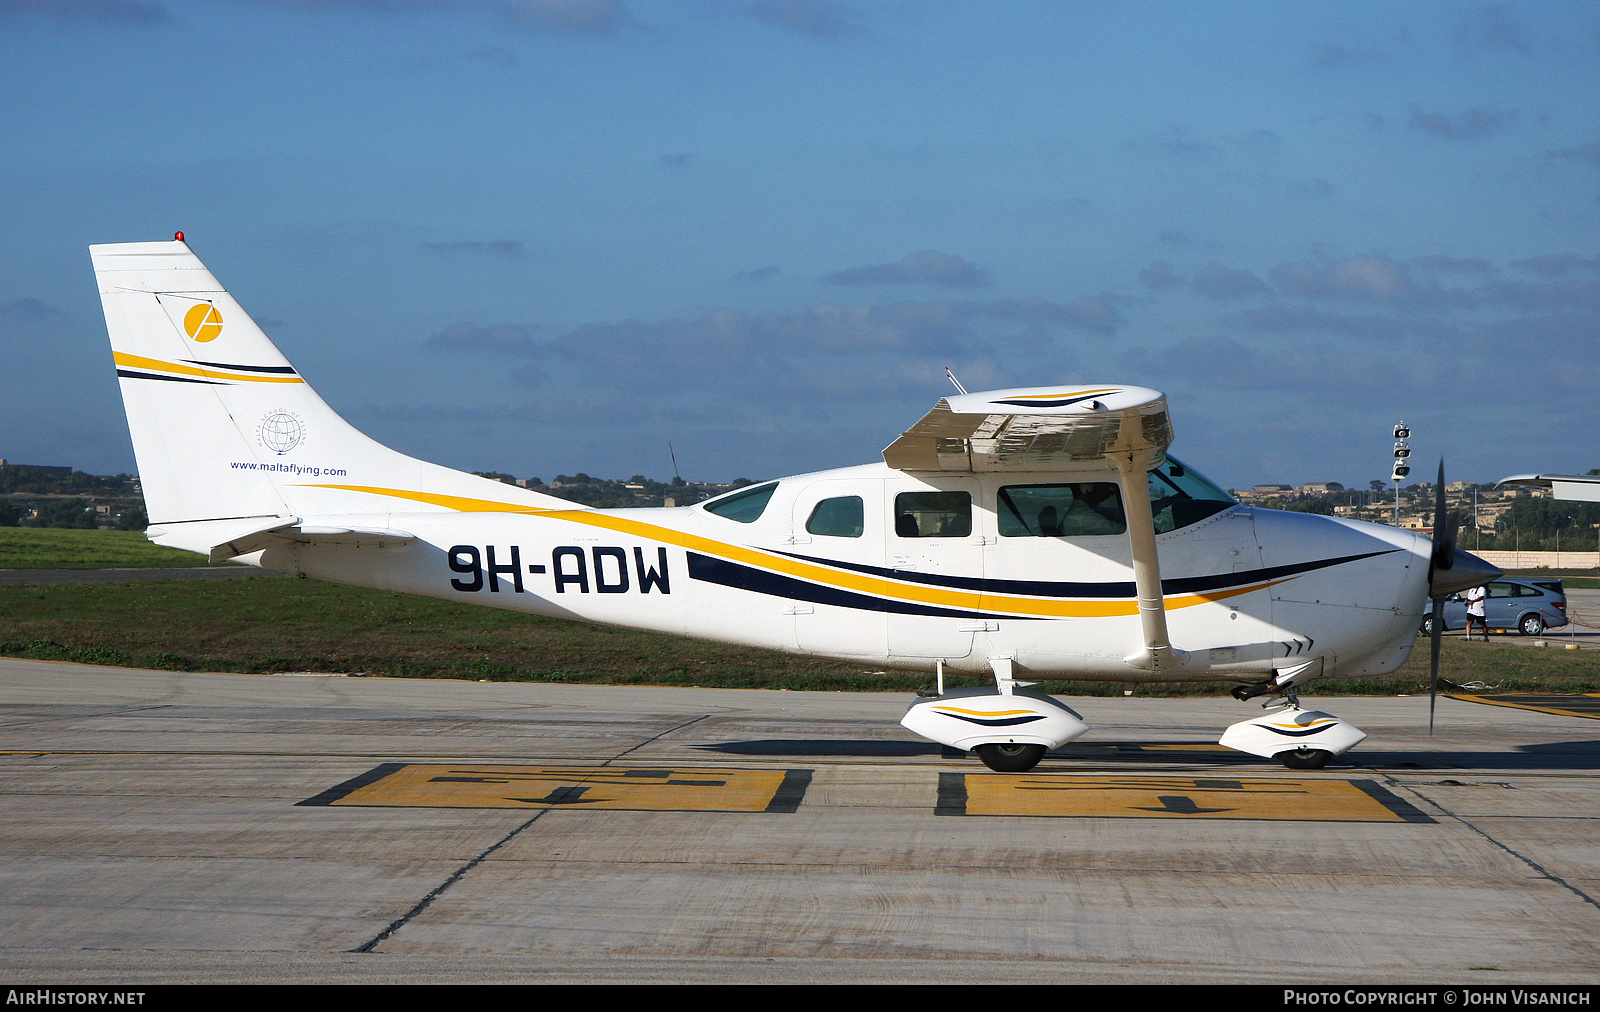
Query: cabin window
1180	496
1079	509
745	505
842	517
932	515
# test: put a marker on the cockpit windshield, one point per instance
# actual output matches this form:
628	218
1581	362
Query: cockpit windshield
744	505
1180	496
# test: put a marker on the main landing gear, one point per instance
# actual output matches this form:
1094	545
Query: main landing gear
1009	726
1010	757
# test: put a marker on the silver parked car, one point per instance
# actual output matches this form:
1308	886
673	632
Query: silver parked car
1528	606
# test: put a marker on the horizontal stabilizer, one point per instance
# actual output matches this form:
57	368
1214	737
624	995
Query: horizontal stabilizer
306	534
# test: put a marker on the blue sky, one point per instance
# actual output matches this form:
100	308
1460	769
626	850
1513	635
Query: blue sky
546	237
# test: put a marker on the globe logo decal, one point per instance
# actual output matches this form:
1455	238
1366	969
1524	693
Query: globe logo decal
281	432
203	322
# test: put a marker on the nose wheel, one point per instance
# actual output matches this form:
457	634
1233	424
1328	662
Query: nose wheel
1305	758
1300	739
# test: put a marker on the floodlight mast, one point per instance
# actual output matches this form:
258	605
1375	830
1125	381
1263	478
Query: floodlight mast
1402	450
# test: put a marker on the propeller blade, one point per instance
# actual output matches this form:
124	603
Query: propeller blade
1443	558
1444	532
1433	665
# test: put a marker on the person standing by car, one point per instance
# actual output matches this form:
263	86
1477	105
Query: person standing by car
1475	597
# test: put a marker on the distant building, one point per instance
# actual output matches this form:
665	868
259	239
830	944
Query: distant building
1320	487
1272	488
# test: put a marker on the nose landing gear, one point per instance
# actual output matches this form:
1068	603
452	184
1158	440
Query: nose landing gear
1300	739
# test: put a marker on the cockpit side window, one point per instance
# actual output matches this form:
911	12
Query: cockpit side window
746	505
932	515
1079	509
840	517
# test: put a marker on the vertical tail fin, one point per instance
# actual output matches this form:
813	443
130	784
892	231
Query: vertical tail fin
223	426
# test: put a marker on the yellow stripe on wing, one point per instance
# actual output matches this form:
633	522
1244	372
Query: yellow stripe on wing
1064	393
861	583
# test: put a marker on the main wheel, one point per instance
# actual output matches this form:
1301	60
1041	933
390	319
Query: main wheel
1531	625
1009	757
1305	758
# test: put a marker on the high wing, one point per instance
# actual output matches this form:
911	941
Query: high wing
1122	429
1035	429
1577	487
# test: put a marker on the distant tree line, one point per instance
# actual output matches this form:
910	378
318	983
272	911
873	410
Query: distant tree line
619	493
70	499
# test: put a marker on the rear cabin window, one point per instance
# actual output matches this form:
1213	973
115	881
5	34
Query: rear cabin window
1075	510
932	515
842	517
745	505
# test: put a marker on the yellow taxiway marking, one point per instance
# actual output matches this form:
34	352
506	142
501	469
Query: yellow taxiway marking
1585	705
1045	795
665	789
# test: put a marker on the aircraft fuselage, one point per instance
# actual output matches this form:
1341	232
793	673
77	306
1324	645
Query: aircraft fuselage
1246	590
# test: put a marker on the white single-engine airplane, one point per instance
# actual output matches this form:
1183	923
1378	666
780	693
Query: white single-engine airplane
1032	534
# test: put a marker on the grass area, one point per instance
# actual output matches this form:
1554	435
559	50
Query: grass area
64	548
303	625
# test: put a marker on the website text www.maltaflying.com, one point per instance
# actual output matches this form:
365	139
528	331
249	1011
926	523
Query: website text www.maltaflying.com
295	469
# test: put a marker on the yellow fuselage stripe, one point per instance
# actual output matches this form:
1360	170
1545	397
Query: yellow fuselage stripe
862	583
136	362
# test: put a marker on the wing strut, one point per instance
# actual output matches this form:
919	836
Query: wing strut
1133	456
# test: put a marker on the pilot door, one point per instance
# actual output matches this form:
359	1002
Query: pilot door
933	552
839	524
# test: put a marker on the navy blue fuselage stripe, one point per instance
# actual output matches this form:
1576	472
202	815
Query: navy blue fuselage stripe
1051	588
130	374
730	574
